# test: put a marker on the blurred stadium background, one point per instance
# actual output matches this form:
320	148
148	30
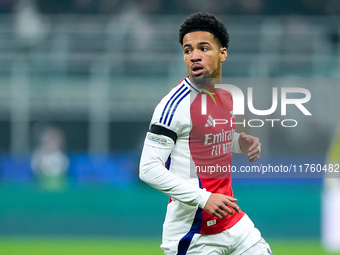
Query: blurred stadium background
79	80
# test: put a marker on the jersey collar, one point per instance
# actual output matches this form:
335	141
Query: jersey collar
192	85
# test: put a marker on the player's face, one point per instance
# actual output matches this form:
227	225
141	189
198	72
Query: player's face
203	55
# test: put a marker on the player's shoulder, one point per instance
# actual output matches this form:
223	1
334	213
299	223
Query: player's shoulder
180	91
177	96
176	99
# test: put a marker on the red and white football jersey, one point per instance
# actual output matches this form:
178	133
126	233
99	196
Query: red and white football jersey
186	156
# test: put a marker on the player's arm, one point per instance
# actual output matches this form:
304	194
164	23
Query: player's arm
248	144
153	172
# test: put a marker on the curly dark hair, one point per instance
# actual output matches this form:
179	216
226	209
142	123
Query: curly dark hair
203	21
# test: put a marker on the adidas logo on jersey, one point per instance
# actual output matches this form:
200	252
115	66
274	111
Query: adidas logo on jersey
210	121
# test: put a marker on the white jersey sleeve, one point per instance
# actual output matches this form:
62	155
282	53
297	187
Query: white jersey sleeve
154	173
169	122
235	146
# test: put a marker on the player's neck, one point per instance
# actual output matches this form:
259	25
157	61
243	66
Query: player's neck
204	83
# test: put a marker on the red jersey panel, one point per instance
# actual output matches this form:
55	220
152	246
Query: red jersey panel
210	142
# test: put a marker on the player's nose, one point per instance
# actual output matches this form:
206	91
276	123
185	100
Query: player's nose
196	56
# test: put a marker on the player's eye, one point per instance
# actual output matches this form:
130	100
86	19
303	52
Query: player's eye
187	51
204	49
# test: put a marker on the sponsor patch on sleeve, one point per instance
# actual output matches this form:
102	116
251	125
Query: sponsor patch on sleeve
157	139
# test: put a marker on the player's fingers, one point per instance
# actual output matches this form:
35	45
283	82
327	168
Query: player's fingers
243	135
232	199
254	158
219	213
236	208
232	205
254	152
224	212
255	144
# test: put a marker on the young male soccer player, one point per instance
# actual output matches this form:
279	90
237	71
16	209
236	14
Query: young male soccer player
202	215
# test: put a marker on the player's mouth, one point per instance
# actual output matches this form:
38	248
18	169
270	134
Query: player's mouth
197	69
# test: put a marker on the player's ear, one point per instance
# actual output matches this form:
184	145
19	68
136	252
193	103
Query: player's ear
223	53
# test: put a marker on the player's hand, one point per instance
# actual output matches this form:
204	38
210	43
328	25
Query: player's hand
219	205
250	145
